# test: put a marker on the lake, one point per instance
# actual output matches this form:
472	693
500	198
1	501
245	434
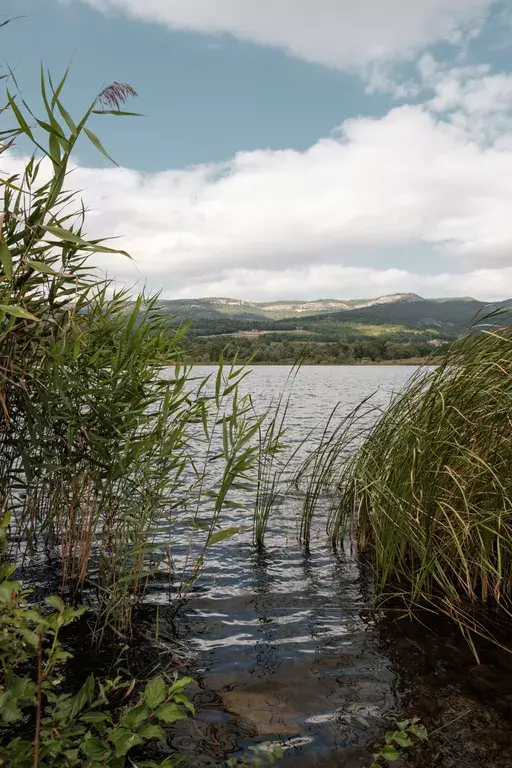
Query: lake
280	635
283	645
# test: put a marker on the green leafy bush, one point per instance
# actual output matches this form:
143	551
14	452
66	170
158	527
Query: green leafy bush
58	728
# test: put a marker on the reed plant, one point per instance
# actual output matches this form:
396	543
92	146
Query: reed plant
110	448
428	492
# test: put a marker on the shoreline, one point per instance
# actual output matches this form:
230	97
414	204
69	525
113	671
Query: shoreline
414	361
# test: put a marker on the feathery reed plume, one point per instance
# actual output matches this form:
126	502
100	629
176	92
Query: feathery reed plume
115	95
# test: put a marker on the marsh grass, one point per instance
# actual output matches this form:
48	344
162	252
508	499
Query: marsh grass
428	492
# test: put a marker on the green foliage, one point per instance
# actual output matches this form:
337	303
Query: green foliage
428	494
282	349
407	735
99	443
84	729
388	331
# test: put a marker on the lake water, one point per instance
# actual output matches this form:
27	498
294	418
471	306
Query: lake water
281	638
284	648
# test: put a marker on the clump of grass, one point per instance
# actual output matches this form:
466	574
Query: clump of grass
429	491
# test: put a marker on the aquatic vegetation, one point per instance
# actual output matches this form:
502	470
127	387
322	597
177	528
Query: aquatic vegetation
428	493
106	453
407	735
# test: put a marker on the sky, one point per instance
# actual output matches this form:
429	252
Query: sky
288	149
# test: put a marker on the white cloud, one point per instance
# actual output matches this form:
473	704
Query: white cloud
433	179
327	221
470	89
335	33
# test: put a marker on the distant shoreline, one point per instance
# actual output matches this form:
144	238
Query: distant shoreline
413	361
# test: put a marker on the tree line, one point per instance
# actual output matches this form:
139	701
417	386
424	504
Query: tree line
267	349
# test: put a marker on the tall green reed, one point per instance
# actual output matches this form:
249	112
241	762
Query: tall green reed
107	455
428	492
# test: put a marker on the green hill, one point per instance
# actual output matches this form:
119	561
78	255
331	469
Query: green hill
387	328
397	315
216	307
447	318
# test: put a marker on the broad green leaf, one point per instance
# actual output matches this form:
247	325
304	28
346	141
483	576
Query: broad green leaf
20	687
60	86
54	601
134	716
66	234
169	713
6	259
18	312
54	149
149	731
94	717
9	710
180	684
71	237
40	266
419	731
30	637
6	570
154	692
84	696
69	120
390	754
8	590
180	698
97	143
95	749
19	117
402	739
124	740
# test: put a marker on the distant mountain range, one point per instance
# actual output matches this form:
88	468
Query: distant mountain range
448	316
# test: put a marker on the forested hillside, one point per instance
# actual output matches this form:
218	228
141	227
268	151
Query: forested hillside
390	328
